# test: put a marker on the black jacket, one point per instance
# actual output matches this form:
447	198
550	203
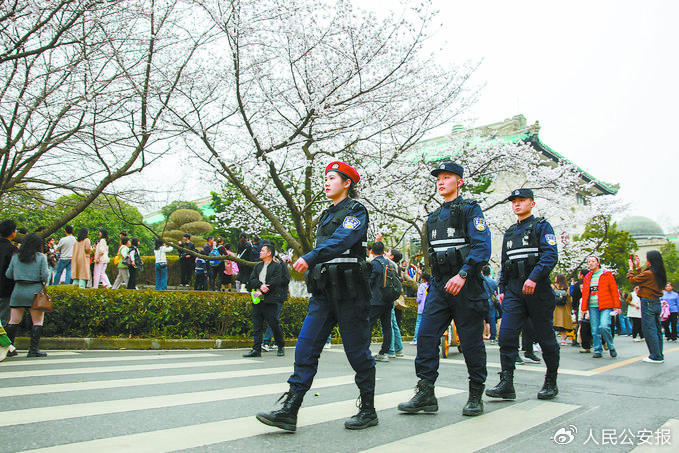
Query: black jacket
377	280
7	249
277	277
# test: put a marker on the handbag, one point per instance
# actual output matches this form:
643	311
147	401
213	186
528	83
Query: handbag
400	303
42	301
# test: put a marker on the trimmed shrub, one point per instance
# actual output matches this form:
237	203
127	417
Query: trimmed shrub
182	216
169	314
198	227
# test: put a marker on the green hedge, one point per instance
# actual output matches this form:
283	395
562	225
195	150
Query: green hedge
168	314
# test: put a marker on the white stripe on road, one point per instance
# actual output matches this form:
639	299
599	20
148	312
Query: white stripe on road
195	436
672	425
125	358
126	368
47	413
155	380
481	432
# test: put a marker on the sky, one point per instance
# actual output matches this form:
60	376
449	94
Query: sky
599	76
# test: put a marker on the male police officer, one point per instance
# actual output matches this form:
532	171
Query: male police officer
529	254
459	246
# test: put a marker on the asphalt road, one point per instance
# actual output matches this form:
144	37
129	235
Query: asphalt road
205	401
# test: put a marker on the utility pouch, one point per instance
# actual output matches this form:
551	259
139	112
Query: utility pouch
333	273
452	257
364	276
351	279
521	269
442	263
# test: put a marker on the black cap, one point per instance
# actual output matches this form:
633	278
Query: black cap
450	167
187	235
521	193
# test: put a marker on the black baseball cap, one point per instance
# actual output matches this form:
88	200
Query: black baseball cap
521	193
450	167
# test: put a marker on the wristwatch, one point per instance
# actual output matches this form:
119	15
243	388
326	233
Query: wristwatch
462	274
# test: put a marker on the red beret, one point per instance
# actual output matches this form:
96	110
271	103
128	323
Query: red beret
346	169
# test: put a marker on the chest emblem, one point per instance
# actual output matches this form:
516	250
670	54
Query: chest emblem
451	232
480	223
433	234
510	244
351	223
551	239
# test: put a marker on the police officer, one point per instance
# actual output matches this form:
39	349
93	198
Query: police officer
336	273
529	254
459	246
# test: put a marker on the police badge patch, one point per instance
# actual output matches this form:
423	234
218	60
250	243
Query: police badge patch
551	239
479	223
351	223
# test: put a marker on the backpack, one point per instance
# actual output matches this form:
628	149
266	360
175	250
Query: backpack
214	252
560	296
390	284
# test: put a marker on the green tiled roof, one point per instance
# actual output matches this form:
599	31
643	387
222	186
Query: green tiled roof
438	148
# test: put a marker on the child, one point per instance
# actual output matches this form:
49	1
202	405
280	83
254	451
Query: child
201	271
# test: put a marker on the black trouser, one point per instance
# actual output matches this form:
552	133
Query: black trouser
186	266
527	336
266	312
200	282
4	311
132	281
399	316
210	278
670	326
586	334
383	313
636	328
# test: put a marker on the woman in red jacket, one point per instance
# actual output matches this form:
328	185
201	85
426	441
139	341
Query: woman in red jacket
600	297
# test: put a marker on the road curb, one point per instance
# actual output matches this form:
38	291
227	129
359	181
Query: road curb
48	343
51	343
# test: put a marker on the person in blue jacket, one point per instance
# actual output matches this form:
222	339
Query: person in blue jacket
529	253
459	246
337	278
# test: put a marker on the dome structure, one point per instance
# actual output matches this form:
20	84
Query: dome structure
641	228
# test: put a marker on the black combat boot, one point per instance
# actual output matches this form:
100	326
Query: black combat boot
253	353
366	416
505	389
549	389
33	351
474	404
285	417
281	351
424	399
11	330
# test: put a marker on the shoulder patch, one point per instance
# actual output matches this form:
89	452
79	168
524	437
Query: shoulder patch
551	239
480	223
351	223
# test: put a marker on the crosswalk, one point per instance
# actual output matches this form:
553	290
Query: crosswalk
205	401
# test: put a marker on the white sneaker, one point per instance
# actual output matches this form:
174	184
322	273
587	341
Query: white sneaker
327	346
650	360
381	358
413	342
266	347
636	340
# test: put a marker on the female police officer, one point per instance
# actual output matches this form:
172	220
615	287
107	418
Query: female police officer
336	278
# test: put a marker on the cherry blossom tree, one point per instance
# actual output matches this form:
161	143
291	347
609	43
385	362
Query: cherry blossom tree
293	85
85	87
